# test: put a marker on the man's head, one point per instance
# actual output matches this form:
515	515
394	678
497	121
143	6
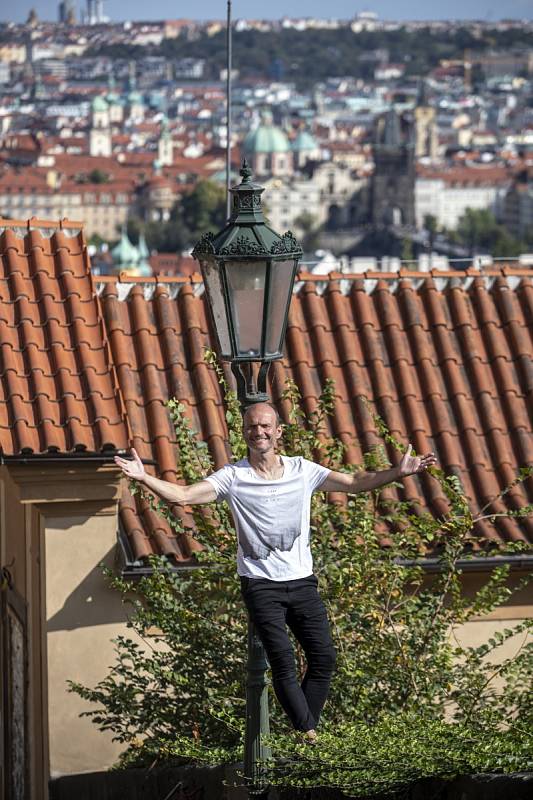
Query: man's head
261	427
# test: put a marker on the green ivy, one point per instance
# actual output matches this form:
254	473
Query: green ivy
407	700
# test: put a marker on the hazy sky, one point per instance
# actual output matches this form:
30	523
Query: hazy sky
17	10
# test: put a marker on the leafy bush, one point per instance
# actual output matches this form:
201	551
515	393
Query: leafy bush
407	699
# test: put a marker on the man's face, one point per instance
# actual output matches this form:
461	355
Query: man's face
260	428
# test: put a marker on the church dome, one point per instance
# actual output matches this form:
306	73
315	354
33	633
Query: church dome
266	138
135	98
304	141
99	104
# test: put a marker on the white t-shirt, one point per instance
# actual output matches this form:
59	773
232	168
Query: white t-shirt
271	516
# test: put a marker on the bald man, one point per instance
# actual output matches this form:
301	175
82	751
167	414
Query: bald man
270	499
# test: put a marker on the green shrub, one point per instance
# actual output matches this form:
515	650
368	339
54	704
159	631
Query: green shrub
406	701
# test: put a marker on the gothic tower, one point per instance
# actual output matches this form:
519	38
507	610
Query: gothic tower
393	181
165	145
426	141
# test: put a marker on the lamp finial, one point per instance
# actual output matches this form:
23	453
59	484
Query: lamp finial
245	172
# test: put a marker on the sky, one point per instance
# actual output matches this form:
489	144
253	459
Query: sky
17	10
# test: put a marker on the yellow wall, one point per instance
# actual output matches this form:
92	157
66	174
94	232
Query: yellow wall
58	524
82	616
479	629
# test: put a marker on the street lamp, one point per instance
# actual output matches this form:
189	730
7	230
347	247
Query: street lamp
249	273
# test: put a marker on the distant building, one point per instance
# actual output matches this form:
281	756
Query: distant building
94	14
157	197
393	181
189	68
267	149
504	64
447	193
304	148
100	132
129	258
329	197
518	205
426	138
65	12
165	146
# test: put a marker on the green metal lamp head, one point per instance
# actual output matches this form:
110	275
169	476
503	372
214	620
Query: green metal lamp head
247	233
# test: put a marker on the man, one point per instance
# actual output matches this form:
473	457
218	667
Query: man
270	497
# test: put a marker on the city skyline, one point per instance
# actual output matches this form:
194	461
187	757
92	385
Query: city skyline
117	10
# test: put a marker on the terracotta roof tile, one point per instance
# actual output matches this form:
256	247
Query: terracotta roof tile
56	379
444	359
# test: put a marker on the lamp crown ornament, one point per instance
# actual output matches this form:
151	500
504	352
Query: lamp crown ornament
247	232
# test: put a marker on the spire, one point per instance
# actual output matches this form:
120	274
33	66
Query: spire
125	254
391	131
422	99
142	247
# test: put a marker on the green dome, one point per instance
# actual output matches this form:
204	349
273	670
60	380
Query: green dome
99	104
135	98
266	138
125	253
304	141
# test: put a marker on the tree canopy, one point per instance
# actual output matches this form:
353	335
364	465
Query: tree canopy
292	55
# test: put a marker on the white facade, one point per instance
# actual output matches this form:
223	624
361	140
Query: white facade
100	142
285	201
329	190
448	202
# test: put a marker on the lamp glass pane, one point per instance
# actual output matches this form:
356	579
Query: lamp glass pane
215	296
246	288
280	296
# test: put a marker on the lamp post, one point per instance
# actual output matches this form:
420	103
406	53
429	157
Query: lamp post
249	273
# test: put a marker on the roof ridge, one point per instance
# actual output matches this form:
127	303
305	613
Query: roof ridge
34	222
309	277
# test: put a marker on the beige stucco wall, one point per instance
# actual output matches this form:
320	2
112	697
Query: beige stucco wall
82	616
518	608
71	513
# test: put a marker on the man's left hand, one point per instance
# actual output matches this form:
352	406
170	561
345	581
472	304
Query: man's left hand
410	465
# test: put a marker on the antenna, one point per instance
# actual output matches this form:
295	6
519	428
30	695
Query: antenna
228	111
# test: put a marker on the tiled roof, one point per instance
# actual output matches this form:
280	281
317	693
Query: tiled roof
444	358
58	388
472	175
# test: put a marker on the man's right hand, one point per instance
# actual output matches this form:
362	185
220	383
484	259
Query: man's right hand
198	493
132	468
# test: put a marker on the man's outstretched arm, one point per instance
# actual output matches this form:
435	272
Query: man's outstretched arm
366	481
201	492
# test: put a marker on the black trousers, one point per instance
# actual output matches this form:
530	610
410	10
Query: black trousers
274	605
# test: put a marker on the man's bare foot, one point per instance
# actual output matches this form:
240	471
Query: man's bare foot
310	737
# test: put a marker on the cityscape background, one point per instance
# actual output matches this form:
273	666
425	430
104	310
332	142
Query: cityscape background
379	141
216	9
400	155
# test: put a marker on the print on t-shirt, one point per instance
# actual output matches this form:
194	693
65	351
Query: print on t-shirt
259	544
271	516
